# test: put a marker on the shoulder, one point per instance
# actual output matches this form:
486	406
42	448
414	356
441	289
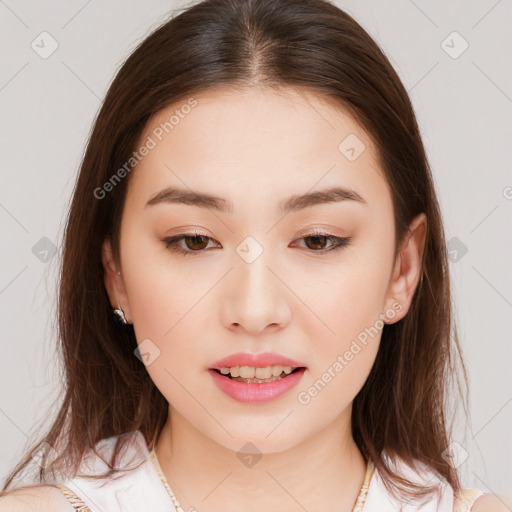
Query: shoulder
491	502
35	498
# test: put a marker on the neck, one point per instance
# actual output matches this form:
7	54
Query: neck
324	472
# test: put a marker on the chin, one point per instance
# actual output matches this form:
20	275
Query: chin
267	437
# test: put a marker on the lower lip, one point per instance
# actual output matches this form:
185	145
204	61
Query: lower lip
254	392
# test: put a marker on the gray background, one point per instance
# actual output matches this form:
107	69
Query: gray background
463	102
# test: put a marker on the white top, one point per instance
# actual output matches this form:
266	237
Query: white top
145	488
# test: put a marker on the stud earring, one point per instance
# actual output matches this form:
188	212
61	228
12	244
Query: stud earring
119	312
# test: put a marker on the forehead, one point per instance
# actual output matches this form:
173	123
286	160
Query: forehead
256	141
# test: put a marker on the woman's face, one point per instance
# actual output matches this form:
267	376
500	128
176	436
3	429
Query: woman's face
256	273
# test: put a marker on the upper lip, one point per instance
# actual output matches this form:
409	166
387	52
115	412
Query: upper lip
255	360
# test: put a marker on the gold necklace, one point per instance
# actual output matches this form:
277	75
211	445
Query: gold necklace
175	501
358	507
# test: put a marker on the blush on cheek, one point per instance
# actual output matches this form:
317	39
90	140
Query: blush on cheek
349	316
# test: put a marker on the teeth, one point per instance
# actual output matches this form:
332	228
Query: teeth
250	372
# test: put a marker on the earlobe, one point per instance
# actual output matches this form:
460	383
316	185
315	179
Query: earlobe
408	268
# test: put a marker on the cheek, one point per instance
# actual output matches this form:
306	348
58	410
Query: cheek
351	299
167	313
171	316
167	308
347	328
344	344
159	288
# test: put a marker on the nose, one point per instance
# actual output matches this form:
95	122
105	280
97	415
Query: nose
255	297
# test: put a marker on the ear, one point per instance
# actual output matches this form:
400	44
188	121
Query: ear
407	269
114	283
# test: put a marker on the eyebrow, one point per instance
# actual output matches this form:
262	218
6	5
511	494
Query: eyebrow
292	203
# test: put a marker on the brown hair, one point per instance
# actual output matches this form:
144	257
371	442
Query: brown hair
310	44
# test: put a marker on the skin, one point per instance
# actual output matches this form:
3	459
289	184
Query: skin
256	148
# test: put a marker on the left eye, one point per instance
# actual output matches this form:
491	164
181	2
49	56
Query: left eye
196	243
317	239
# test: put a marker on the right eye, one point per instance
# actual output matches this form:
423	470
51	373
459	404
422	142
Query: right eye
195	243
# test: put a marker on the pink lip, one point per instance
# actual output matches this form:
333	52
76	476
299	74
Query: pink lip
256	392
256	361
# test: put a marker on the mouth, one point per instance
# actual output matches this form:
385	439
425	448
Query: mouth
257	378
252	375
253	385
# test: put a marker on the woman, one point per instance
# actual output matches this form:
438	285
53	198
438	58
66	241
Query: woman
255	306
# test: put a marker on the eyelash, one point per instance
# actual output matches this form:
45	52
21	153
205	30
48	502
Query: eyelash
171	243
